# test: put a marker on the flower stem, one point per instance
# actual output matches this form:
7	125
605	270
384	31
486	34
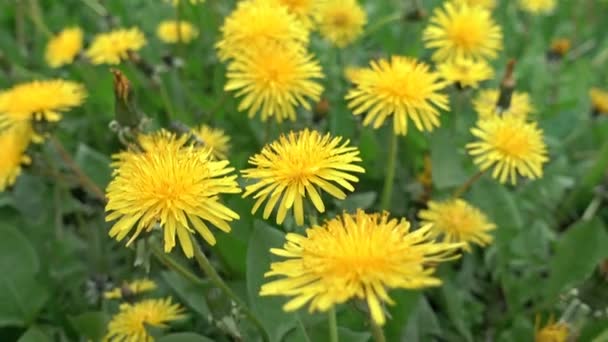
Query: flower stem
464	187
172	264
333	325
387	192
303	328
215	278
38	19
381	22
377	332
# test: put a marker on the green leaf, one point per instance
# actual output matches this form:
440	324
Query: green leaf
356	201
91	325
191	294
184	337
448	170
268	309
35	334
18	254
422	324
94	164
406	302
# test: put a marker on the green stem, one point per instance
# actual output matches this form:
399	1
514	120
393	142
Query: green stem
303	328
38	19
381	22
391	164
172	264
377	332
170	110
178	20
333	325
215	278
96	7
464	187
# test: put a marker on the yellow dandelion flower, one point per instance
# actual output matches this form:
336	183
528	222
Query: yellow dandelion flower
167	31
341	21
465	72
133	288
112	47
511	145
537	6
170	186
461	31
214	139
299	165
302	9
401	87
130	323
485	104
274	80
599	100
353	74
63	48
14	142
259	22
458	221
551	332
176	2
355	256
560	47
489	4
39	100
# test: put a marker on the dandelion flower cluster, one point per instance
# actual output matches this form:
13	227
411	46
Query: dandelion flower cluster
63	48
599	100
273	80
39	100
170	185
112	47
171	31
133	288
402	88
14	141
511	145
537	6
214	139
341	21
465	72
485	104
298	165
458	30
457	221
130	323
357	256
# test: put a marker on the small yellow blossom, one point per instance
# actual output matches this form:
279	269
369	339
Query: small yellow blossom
341	21
599	100
214	139
551	332
14	142
129	289
465	72
537	6
169	32
113	47
486	101
63	48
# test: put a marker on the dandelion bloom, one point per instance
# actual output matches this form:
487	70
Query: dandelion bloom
214	139
133	288
341	21
302	9
39	100
14	141
273	80
599	100
171	185
299	165
259	22
510	144
537	6
465	72
485	104
551	332
353	73
356	256
112	47
461	31
130	323
401	87
168	31
63	48
458	221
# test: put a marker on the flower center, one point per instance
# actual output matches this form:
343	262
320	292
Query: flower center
465	33
340	19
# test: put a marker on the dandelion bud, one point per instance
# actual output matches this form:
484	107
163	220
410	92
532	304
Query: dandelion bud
507	86
126	112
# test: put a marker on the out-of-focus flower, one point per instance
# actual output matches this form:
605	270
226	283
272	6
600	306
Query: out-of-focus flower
133	288
112	47
63	48
599	100
537	6
485	104
559	48
215	139
458	30
169	31
302	9
465	72
551	332
14	142
358	256
341	21
297	166
402	88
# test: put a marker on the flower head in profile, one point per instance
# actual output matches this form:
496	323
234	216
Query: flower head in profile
273	80
259	22
402	88
511	145
458	30
485	104
465	72
358	256
300	165
113	47
39	100
14	142
457	221
170	32
599	100
63	48
133	288
214	139
130	323
172	186
537	6
551	332
340	21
